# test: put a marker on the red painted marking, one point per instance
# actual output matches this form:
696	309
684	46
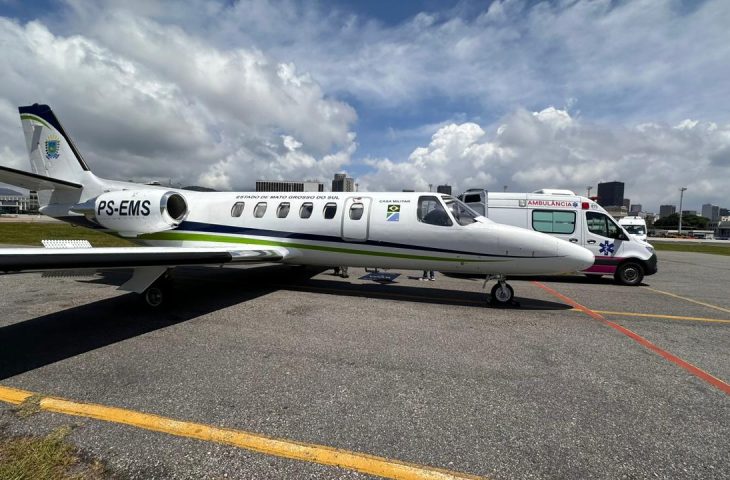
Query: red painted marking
697	372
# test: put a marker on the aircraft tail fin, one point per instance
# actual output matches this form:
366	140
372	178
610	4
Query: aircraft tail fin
52	152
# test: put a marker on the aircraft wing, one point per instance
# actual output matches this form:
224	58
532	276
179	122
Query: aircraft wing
33	181
40	259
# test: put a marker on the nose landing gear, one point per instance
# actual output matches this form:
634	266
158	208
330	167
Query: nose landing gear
502	294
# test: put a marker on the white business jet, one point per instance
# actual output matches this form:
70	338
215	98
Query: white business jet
416	231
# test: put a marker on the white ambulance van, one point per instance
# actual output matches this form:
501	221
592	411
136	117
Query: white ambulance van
575	219
636	226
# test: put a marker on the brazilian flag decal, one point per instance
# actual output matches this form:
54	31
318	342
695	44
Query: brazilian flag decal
393	214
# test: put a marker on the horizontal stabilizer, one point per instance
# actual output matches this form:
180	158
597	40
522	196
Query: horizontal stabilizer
33	181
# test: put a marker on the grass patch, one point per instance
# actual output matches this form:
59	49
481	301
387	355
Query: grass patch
691	247
30	406
46	458
33	233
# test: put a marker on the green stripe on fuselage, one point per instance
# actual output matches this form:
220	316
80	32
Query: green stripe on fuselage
204	237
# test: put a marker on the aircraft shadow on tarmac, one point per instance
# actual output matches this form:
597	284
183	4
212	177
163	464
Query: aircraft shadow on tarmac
50	338
198	290
573	278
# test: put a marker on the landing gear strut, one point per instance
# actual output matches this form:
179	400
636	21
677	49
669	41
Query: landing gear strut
502	294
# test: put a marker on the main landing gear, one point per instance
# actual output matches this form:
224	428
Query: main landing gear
502	294
153	284
157	294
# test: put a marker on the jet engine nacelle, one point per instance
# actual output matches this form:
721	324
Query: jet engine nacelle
134	212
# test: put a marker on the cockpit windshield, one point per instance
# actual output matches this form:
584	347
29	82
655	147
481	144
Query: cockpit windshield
462	213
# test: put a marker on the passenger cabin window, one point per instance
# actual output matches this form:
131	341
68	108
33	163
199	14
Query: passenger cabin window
237	209
283	210
600	224
472	198
432	212
305	211
553	221
462	213
356	211
329	210
259	209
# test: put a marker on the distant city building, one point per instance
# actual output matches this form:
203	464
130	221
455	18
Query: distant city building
617	211
408	190
635	208
611	194
689	212
666	210
724	212
445	189
343	183
627	203
289	186
711	211
16	202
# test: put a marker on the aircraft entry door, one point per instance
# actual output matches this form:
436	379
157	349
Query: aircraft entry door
356	219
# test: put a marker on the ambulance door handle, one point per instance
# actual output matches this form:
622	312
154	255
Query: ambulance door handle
573	240
591	241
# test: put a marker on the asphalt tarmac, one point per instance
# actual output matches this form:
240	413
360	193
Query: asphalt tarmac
418	372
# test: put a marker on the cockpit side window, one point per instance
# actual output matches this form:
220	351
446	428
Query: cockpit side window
432	212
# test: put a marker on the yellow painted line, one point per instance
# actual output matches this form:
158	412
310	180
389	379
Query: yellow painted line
13	395
307	452
656	315
727	310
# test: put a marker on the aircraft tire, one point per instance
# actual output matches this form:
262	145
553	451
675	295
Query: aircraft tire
502	296
154	296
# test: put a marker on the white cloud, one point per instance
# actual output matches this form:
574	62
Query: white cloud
146	100
643	58
227	92
551	149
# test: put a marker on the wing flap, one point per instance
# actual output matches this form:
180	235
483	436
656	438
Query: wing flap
33	181
40	259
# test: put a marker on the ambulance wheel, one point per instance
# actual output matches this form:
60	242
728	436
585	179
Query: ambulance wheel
629	273
502	295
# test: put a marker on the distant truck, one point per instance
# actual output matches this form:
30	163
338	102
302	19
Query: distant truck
636	226
575	219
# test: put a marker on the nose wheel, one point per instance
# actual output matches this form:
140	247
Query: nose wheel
502	294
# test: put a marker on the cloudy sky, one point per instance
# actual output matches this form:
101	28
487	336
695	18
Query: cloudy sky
527	94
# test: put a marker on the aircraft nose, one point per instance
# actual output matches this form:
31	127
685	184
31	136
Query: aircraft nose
581	257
